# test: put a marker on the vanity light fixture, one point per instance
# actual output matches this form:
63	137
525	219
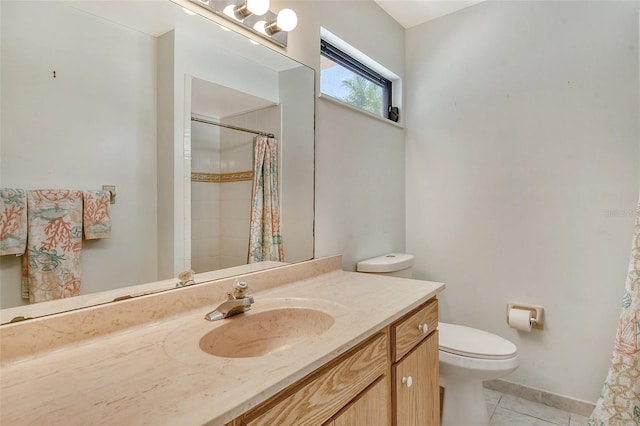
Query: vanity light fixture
230	12
286	20
250	7
259	27
255	16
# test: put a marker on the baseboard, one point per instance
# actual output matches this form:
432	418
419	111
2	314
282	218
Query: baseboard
565	403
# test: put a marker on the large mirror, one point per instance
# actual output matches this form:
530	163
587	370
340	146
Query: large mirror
103	93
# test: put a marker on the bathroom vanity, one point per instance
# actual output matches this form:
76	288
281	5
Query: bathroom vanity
320	346
365	386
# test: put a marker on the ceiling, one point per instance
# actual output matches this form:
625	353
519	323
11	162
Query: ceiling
213	100
410	13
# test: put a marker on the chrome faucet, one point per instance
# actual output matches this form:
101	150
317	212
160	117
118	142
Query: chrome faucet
236	303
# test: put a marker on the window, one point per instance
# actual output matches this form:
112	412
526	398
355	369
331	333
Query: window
344	78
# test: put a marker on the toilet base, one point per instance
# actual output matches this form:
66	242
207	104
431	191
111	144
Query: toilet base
464	403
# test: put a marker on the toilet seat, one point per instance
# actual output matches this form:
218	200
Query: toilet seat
473	343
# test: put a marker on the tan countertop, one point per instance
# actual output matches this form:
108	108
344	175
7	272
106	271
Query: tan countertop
152	371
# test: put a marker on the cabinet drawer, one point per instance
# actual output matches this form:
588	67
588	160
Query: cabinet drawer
409	331
317	399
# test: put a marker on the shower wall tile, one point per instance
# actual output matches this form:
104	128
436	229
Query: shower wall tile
221	211
204	230
235	209
205	210
208	248
204	193
235	228
236	191
205	264
229	261
201	163
237	155
235	247
205	148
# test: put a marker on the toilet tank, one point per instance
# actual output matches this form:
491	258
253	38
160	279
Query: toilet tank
392	264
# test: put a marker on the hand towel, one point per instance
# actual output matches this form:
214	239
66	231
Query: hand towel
13	221
54	233
97	221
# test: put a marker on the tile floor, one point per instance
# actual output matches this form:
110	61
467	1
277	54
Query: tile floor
509	410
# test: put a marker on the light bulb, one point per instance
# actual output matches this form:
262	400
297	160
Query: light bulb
230	12
287	20
259	27
258	7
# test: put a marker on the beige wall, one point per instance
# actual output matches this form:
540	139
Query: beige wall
297	215
359	204
522	175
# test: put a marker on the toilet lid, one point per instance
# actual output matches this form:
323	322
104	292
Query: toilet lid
474	343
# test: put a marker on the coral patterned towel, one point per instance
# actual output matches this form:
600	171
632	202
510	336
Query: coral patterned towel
51	268
13	221
97	222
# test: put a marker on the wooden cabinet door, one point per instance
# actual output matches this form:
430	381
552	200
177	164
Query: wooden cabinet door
325	392
370	409
419	403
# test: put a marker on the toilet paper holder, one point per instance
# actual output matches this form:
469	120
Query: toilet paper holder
537	314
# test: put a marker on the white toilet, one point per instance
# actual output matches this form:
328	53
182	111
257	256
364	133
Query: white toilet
468	356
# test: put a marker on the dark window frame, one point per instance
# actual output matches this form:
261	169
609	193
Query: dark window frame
338	56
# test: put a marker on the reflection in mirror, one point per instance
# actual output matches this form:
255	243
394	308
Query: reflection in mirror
97	93
222	170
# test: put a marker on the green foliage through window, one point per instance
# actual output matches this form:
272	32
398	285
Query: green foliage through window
346	79
363	94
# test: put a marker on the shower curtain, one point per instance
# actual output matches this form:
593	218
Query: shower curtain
619	403
265	241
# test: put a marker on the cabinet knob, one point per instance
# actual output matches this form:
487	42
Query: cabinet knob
423	327
407	381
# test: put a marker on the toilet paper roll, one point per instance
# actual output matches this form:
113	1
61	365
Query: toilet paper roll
520	319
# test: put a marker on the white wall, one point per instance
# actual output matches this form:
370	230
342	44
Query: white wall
165	159
105	86
522	174
297	215
359	164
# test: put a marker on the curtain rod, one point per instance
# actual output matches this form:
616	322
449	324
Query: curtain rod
229	126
